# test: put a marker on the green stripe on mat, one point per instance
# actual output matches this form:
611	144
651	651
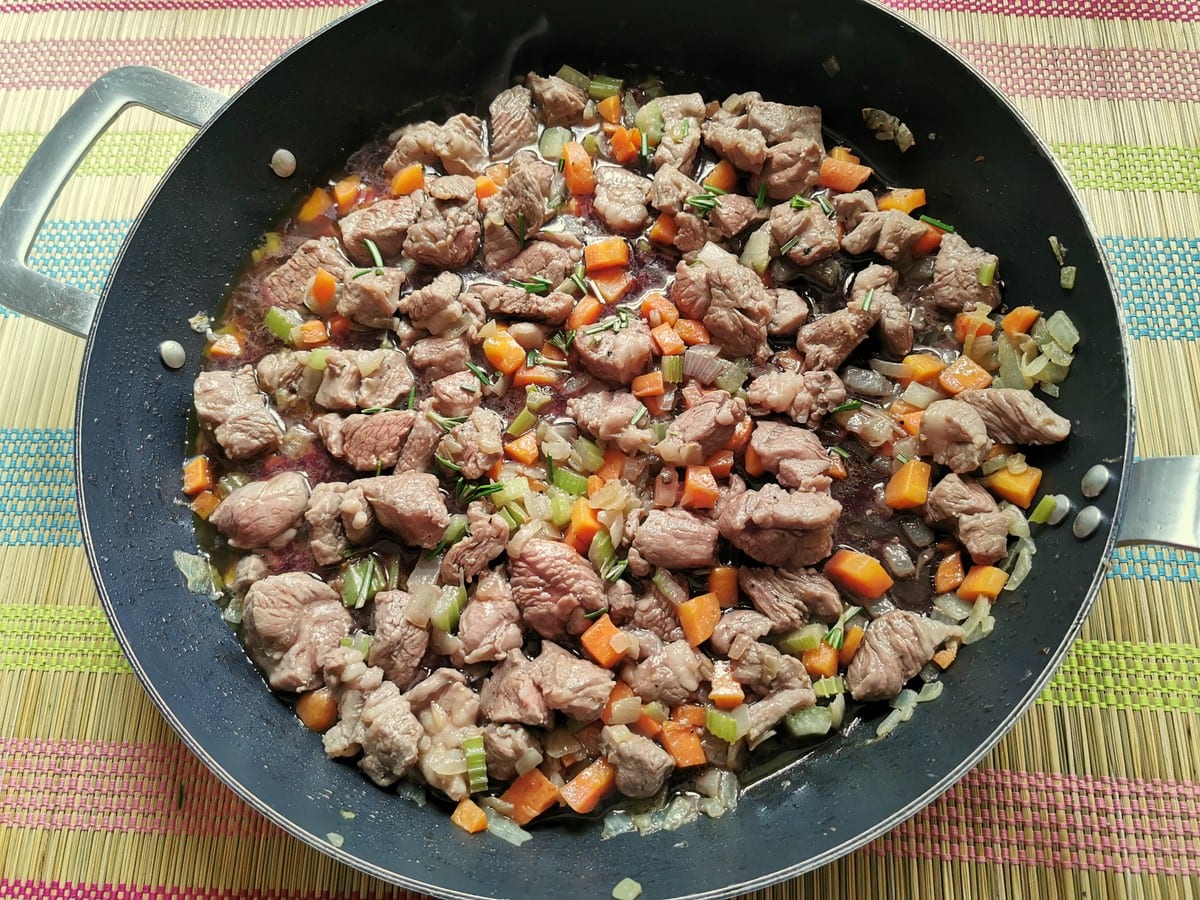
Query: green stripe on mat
1102	166
1106	674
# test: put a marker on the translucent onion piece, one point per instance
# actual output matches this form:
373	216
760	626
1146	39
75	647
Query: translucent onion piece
921	396
953	607
898	561
890	369
505	828
918	533
931	691
867	382
625	711
528	761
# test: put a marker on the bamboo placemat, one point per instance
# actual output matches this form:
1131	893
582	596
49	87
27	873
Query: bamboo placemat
1095	793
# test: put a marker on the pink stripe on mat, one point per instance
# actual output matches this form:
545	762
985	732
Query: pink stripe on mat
1154	10
42	6
13	889
1002	816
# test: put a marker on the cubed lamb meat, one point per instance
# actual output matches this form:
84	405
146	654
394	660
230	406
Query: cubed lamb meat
955	435
734	214
511	694
457	145
621	601
621	199
291	622
366	443
458	188
810	234
500	243
779	122
727	297
457	394
781	528
513	125
795	455
850	208
447	710
572	685
384	222
445	235
398	646
410	505
790	598
561	102
748	623
613	356
895	325
552	260
391	735
679	145
436	307
476	445
288	285
608	416
753	664
677	539
344	386
691	232
326	534
701	430
437	357
505	746
231	405
670	190
890	233
515	302
676	107
985	535
521	201
1016	416
357	516
969	510
956	276
874	277
554	587
486	538
744	148
788	312
642	766
672	673
770	710
655	613
417	455
286	378
252	568
828	341
371	296
790	168
350	679
805	396
490	625
263	513
893	650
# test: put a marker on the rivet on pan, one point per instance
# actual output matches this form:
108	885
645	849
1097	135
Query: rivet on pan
172	353
283	163
1086	522
1095	480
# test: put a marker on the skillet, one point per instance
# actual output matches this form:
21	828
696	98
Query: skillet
984	170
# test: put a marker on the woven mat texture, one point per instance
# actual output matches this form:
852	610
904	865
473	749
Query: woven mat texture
1095	793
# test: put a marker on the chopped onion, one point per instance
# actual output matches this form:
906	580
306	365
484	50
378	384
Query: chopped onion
918	533
703	363
931	691
908	447
995	464
625	711
867	382
896	558
528	761
890	369
879	607
890	722
560	743
420	607
906	699
505	828
669	587
921	396
953	607
1022	565
1015	463
446	762
425	571
871	424
523	535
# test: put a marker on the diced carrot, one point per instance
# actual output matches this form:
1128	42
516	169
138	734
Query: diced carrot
612	284
530	795
969	324
645	725
524	449
682	742
595	483
661	404
692	332
667	340
485	186
858	573
911	422
614	463
585	791
311	334
1000	450
496	469
945	657
542	375
657	309
929	242
409	179
723	581
345	193
753	462
949	573
724	692
339	326
610	109
689	714
469	817
583	526
983	581
197	475
323	292
597	641
925	367
663	230
1019	489
899	408
909	485
204	504
503	352
586	312
700	489
854	636
741	435
620	691
648	385
577	169
821	661
227	345
1019	320
317	709
903	199
698	617
720	463
841	175
549	351
723	177
843	154
963	374
837	467
626	144
317	204
605	254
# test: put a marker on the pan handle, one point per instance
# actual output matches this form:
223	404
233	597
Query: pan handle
1163	505
39	184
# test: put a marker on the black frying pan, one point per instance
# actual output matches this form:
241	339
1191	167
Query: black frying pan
985	172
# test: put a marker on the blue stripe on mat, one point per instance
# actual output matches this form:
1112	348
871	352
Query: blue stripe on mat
37	506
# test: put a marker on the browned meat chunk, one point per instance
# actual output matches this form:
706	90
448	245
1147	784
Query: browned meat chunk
670	190
516	302
746	623
410	505
621	199
521	202
457	394
366	443
703	429
670	672
357	516
490	624
676	539
744	148
370	296
680	141
384	222
893	650
263	513
956	276
608	416
513	124
326	534
789	312
781	528
728	297
808	233
829	340
890	233
655	613
753	664
288	285
511	693
505	745
972	514
1015	416
562	103
850	208
676	107
398	645
734	214
805	396
286	378
691	232
437	357
895	326
500	243
954	435
616	357
445	234
552	260
292	621
791	168
642	765
391	735
344	386
436	307
231	405
422	441
475	445
457	145
458	188
767	712
779	122
484	541
570	684
554	587
789	598
795	455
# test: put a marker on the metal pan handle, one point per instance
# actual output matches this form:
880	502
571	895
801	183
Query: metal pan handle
1163	503
39	184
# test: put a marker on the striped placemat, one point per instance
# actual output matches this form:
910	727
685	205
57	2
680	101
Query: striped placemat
1095	793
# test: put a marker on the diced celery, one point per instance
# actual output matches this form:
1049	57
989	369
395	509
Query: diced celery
591	145
571	75
806	638
649	120
604	86
1063	330
590	454
476	756
627	889
550	144
231	482
657	710
1010	364
733	377
455	530
672	369
317	357
660	430
560	505
515	513
509	518
537	398
1066	278
358	581
573	484
1042	512
829	687
511	490
986	274
602	552
280	323
721	724
448	606
811	722
522	422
